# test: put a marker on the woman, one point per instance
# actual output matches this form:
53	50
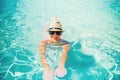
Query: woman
49	62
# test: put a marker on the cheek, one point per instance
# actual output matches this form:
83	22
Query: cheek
55	36
52	36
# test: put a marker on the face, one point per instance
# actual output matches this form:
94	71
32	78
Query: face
55	35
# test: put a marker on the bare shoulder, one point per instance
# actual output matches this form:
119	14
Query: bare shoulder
44	42
66	47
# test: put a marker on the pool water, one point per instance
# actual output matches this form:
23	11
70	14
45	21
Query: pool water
91	26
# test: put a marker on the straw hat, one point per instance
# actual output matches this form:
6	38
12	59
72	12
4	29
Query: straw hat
55	25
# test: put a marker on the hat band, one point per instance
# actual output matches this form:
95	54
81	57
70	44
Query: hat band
55	28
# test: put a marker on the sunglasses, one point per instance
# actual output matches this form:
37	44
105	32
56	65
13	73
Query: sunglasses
53	32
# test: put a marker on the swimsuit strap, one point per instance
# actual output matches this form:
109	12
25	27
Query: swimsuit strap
62	42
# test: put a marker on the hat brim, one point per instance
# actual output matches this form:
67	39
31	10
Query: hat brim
54	30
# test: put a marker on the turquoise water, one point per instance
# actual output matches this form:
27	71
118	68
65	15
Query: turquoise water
91	26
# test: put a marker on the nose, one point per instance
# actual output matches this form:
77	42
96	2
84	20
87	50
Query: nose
55	33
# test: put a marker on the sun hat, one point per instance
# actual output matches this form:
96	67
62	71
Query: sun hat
55	25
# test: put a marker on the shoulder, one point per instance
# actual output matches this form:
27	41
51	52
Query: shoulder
64	42
44	42
66	47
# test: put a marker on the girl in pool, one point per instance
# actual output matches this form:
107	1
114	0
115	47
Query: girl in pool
54	63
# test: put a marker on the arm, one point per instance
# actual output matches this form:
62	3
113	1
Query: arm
43	58
61	71
64	55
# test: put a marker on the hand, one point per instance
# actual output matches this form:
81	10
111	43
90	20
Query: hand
48	75
60	72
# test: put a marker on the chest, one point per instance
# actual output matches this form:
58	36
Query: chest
53	50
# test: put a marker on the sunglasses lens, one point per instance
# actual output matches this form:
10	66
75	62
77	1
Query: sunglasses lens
53	32
58	32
